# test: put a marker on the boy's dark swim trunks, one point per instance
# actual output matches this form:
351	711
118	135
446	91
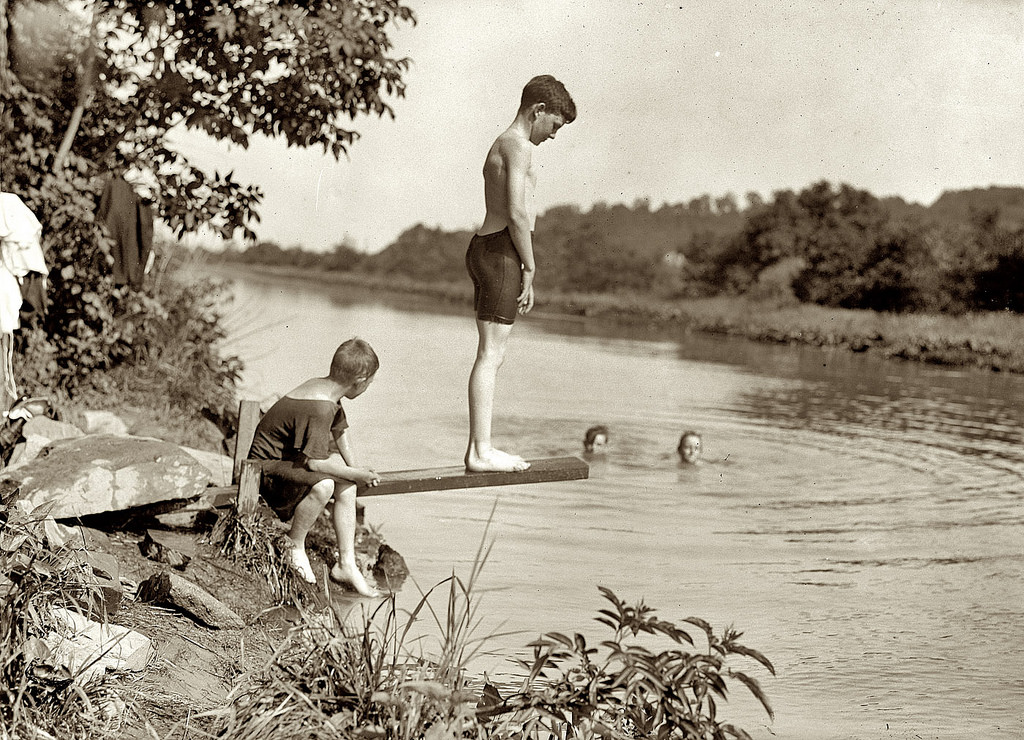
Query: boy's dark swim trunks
293	430
493	263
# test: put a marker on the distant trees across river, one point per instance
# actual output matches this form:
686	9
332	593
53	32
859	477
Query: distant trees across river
826	244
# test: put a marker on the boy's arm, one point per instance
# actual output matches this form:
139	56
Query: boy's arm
517	166
334	464
340	463
344	447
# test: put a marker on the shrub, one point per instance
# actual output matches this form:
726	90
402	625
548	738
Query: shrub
775	283
630	691
160	346
1000	287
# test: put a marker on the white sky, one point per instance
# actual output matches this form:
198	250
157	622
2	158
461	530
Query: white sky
898	97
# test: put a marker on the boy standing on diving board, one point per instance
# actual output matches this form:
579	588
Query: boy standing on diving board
500	255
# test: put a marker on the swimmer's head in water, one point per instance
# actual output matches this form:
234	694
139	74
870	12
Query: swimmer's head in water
689	447
596	438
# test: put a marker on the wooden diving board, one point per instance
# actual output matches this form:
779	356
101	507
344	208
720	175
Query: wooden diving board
246	486
451	478
245	493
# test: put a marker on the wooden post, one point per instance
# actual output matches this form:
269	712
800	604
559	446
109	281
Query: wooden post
245	473
248	418
248	488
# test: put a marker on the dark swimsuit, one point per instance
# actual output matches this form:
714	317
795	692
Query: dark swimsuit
494	265
291	432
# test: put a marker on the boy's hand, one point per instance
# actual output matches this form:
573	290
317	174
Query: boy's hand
525	299
365	477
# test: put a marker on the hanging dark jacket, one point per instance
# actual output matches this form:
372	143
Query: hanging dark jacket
129	222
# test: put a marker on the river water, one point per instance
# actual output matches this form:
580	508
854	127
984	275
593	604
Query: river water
860	520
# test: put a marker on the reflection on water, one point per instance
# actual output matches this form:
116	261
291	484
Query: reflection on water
859	519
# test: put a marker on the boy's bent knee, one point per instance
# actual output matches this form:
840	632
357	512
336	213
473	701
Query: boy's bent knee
322	491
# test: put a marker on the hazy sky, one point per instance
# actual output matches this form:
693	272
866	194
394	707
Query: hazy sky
898	97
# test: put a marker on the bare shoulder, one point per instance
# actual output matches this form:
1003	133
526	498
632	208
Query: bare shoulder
508	153
311	390
511	145
513	151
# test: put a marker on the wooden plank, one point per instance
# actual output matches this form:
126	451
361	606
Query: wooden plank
456	477
245	493
248	418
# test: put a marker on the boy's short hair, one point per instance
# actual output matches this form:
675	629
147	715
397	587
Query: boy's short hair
354	359
546	89
591	436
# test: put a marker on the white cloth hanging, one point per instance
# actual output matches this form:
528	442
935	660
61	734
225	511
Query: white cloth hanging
10	301
21	252
21	234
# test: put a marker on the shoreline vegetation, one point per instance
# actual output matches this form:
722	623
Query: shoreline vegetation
984	340
314	663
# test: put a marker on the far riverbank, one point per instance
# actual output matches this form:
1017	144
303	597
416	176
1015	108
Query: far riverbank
990	341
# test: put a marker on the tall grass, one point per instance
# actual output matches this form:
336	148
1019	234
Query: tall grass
994	327
261	547
330	679
368	676
39	697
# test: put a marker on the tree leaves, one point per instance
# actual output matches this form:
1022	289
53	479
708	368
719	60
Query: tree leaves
222	23
231	70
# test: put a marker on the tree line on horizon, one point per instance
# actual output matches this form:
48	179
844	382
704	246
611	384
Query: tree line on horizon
832	245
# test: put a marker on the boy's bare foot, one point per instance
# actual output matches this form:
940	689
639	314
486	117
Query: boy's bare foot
300	562
351	576
494	461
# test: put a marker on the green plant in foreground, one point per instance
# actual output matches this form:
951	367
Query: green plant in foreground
632	691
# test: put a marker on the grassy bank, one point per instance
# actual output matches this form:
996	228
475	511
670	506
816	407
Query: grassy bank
984	340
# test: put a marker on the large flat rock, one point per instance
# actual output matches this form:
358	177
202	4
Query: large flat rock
100	473
220	466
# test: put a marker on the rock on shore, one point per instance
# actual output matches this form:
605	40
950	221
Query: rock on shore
98	473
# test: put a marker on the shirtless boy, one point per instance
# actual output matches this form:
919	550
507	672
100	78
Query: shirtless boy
307	459
500	256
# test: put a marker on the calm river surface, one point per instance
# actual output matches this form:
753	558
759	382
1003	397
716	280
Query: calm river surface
860	520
